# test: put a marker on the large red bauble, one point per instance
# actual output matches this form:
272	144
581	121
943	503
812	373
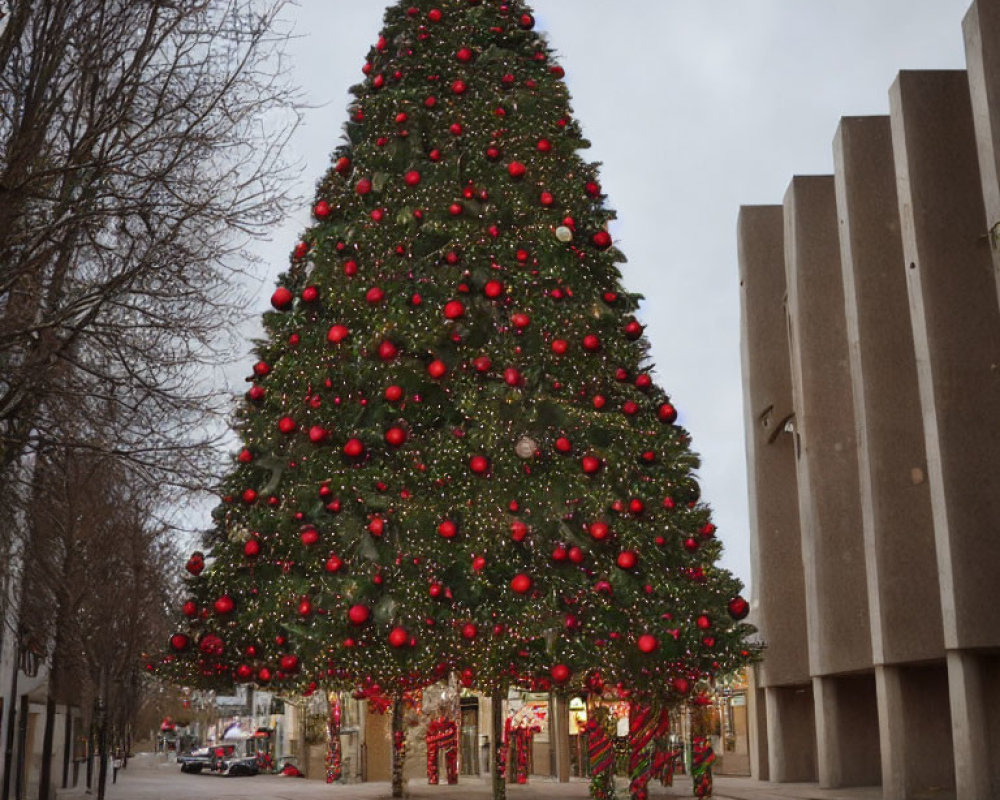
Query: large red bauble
374	296
667	413
482	363
398	637
707	530
179	642
454	310
358	614
250	496
592	188
518	530
590	464
630	408
412	178
643	381
343	165
703	622
591	343
464	55
264	675
559	554
544	146
647	643
434	15
738	608
282	298
261	369
627	559
527	22
437	369
322	209
212	645
393	394
455	209
289	663
680	685
305	607
334	563
520	320
493	289
479	465
576	555
469	631
633	330
516	169
563	445
387	351
521	583
636	506
599	530
448	529
245	456
244	672
308	535
317	434
547	199
377	526
190	609
337	334
511	377
364	186
478	564
560	346
395	437
354	448
195	564
256	394
224	605
560	673
601	240
493	153
286	425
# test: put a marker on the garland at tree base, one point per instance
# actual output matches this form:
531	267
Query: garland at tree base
518	740
334	755
664	762
602	759
442	734
645	727
702	758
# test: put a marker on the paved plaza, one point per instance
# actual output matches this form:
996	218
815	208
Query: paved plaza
148	778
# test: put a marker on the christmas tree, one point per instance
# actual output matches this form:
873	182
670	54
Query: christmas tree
455	456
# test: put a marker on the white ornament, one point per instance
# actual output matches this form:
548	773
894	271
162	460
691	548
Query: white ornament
564	234
525	447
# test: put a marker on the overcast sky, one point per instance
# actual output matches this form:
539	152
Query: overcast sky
695	107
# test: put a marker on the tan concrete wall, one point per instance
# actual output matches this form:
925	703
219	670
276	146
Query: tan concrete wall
836	593
895	500
776	547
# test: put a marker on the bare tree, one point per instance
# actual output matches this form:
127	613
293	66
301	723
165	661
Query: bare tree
140	154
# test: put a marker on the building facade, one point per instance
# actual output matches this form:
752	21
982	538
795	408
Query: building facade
871	370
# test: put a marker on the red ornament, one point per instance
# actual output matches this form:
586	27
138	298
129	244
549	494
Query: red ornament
374	296
518	530
434	15
601	240
464	55
308	535
387	351
282	298
547	199
544	146
245	456
482	363
334	564
317	434
456	130
493	289
459	87
354	448
627	559
337	334
591	343
398	637
516	169
707	530
703	622
437	369
599	530
647	643
448	529
576	555
739	608
343	165
179	642
412	178
479	465
363	187
305	607
560	673
521	583
395	437
469	631
244	672
256	394
249	496
667	413
195	564
512	377
633	330
563	445
190	608
322	209
520	319
310	294
680	685
478	563
454	310
358	614
393	394
376	527
560	346
590	464
289	663
263	675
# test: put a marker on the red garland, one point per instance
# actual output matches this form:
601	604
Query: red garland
520	740
442	734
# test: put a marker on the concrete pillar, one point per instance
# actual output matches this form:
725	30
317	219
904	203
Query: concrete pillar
829	509
757	722
560	736
791	730
895	502
982	50
776	548
956	332
892	733
974	778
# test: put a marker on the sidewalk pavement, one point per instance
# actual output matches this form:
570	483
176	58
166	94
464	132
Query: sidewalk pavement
150	778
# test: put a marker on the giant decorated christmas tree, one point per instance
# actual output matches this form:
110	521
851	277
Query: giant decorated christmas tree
455	458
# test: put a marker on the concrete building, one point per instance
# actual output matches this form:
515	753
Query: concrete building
871	358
